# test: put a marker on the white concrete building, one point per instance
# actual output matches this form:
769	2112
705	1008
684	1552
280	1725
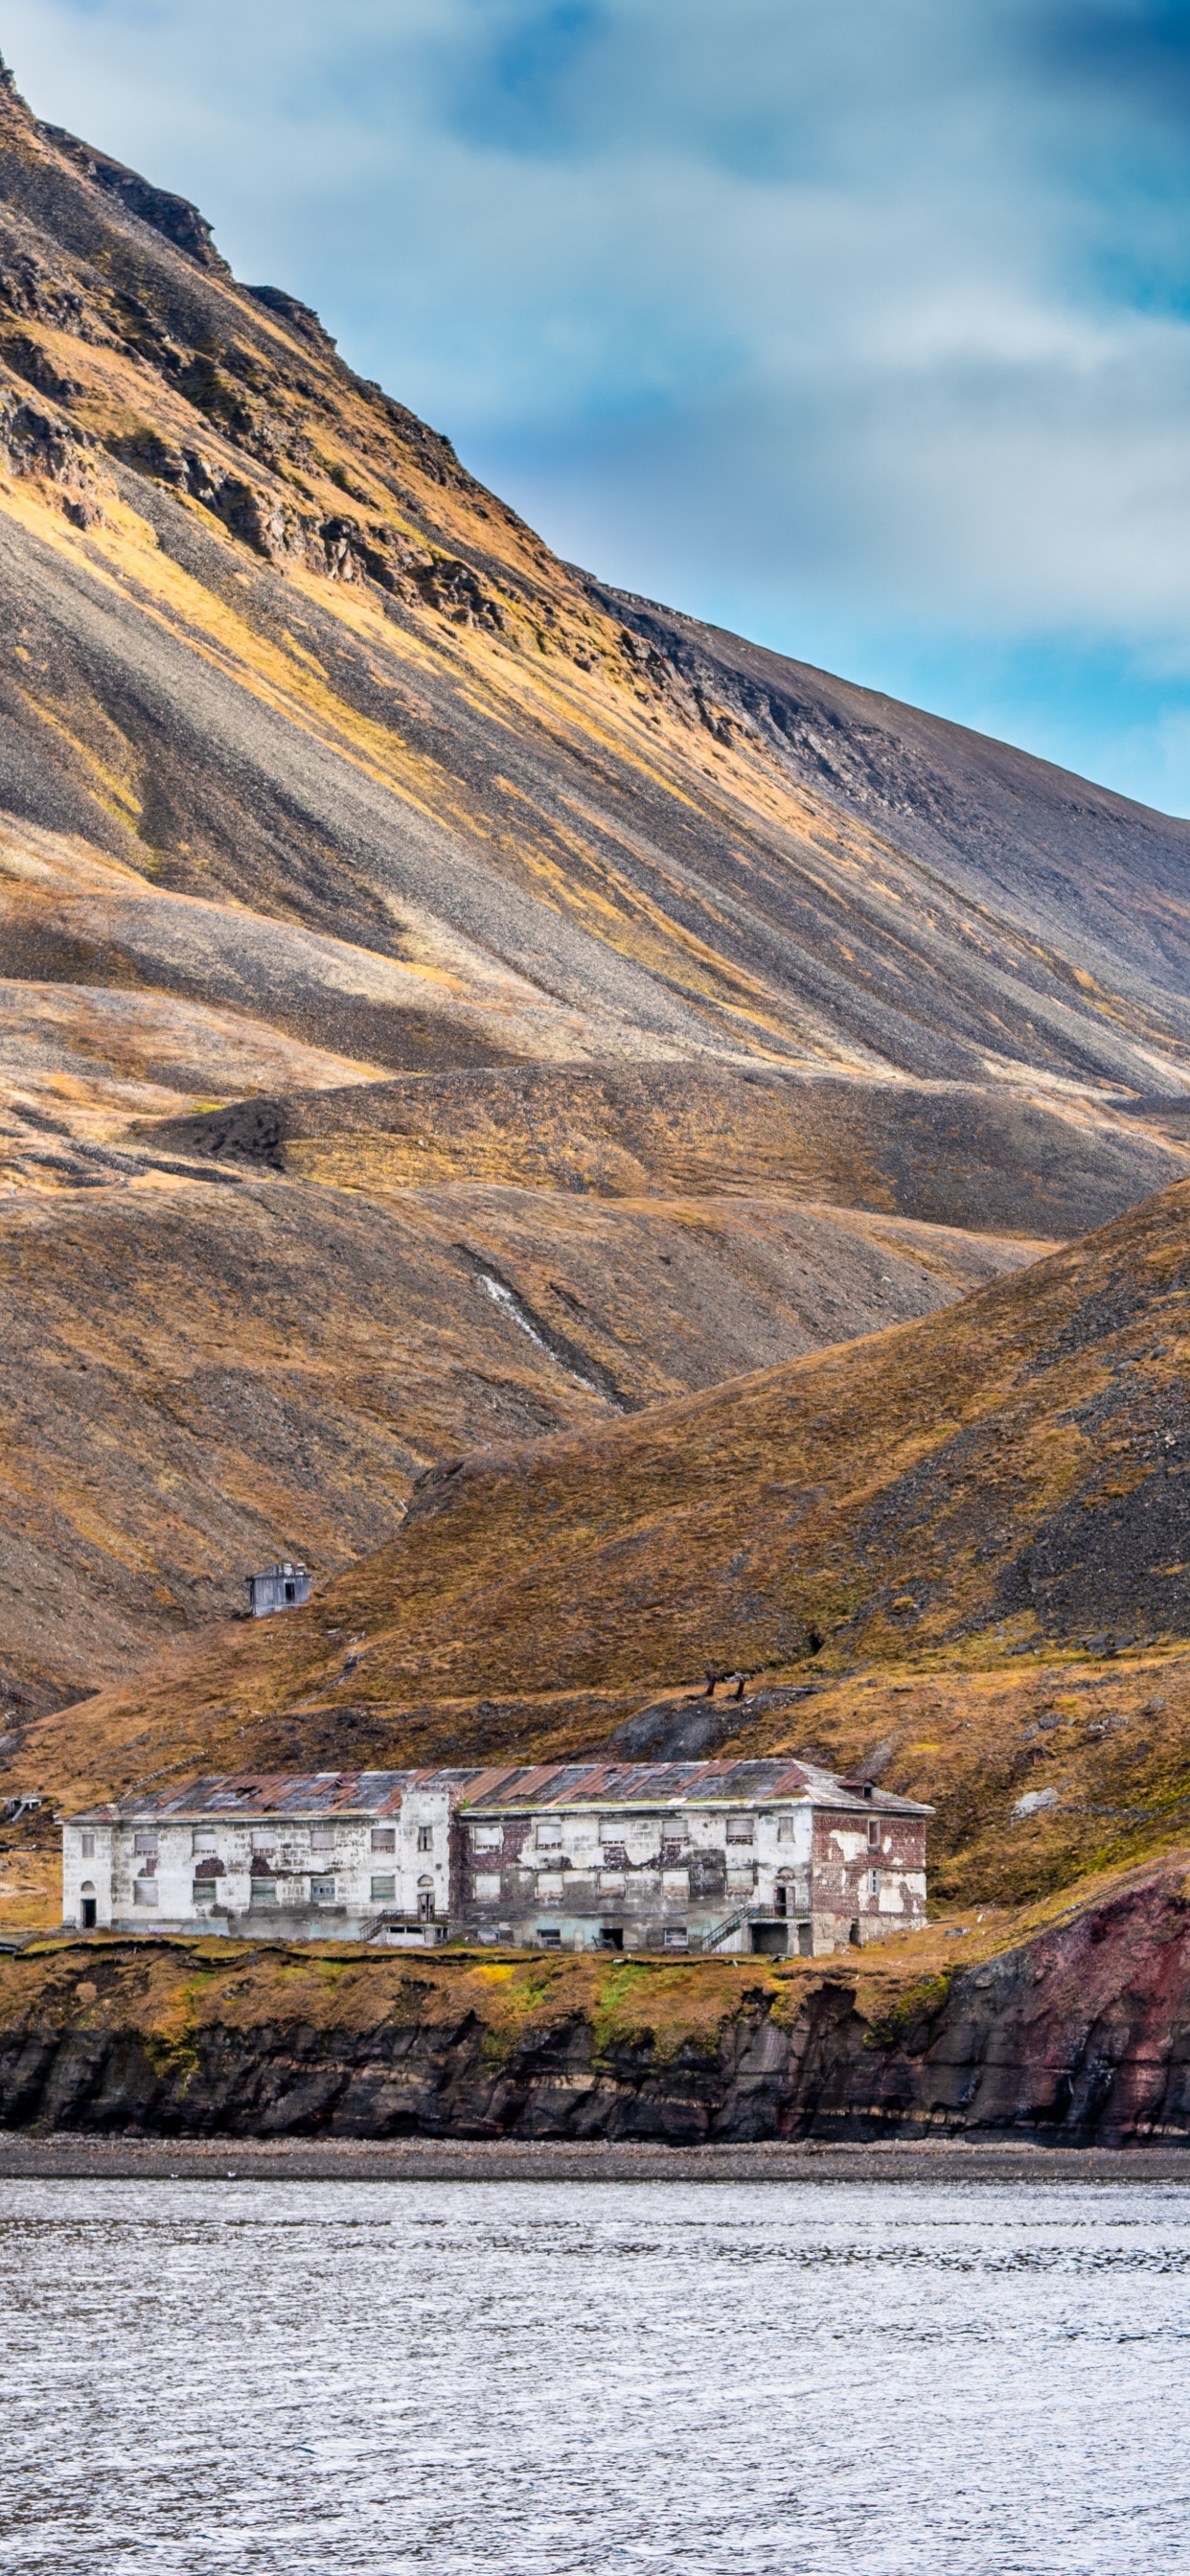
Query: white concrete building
321	1853
773	1856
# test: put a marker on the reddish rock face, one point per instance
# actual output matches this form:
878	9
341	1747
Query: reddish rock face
1084	2033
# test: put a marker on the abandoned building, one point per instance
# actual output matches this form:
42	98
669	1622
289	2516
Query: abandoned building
775	1856
280	1587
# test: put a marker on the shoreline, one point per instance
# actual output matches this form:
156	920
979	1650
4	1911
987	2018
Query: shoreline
424	2159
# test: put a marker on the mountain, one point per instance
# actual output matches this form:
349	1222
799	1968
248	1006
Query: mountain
272	648
446	1004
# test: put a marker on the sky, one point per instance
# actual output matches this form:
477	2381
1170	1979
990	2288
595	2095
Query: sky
861	327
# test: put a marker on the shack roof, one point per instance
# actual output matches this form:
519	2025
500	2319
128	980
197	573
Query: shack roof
510	1788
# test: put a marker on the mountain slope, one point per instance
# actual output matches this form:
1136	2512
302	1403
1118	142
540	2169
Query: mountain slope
1073	861
197	1373
1010	1469
267	638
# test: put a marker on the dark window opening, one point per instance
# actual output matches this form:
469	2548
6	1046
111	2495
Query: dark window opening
769	1940
291	1591
611	1936
89	1915
549	1936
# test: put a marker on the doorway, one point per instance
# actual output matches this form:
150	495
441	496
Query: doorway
88	1913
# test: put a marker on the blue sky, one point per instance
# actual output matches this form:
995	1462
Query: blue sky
862	327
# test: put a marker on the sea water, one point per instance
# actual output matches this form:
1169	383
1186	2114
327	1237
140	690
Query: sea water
534	2379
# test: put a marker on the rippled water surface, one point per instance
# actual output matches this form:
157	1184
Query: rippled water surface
529	2379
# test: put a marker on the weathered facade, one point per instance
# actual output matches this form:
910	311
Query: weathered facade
280	1587
773	1856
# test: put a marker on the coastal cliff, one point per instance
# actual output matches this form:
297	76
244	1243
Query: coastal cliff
1077	2034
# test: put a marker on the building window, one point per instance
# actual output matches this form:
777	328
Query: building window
874	1834
787	1829
87	1846
383	1890
487	1884
549	1833
873	1882
144	1891
322	1890
384	1838
550	1936
204	1891
487	1837
264	1840
262	1892
425	1838
146	1844
676	1937
739	1829
205	1838
611	1829
322	1838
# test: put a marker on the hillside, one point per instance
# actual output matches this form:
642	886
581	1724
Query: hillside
1008	1471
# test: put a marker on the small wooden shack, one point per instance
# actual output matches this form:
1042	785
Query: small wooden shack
280	1587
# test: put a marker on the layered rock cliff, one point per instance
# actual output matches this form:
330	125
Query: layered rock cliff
1078	2035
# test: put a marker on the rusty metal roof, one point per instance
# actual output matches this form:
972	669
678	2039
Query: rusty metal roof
767	1782
506	1787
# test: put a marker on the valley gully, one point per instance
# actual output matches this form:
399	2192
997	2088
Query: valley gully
567	2379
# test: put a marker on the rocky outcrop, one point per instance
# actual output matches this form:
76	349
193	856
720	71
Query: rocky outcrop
1079	2036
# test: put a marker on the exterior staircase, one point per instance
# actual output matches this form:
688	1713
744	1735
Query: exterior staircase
748	1912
